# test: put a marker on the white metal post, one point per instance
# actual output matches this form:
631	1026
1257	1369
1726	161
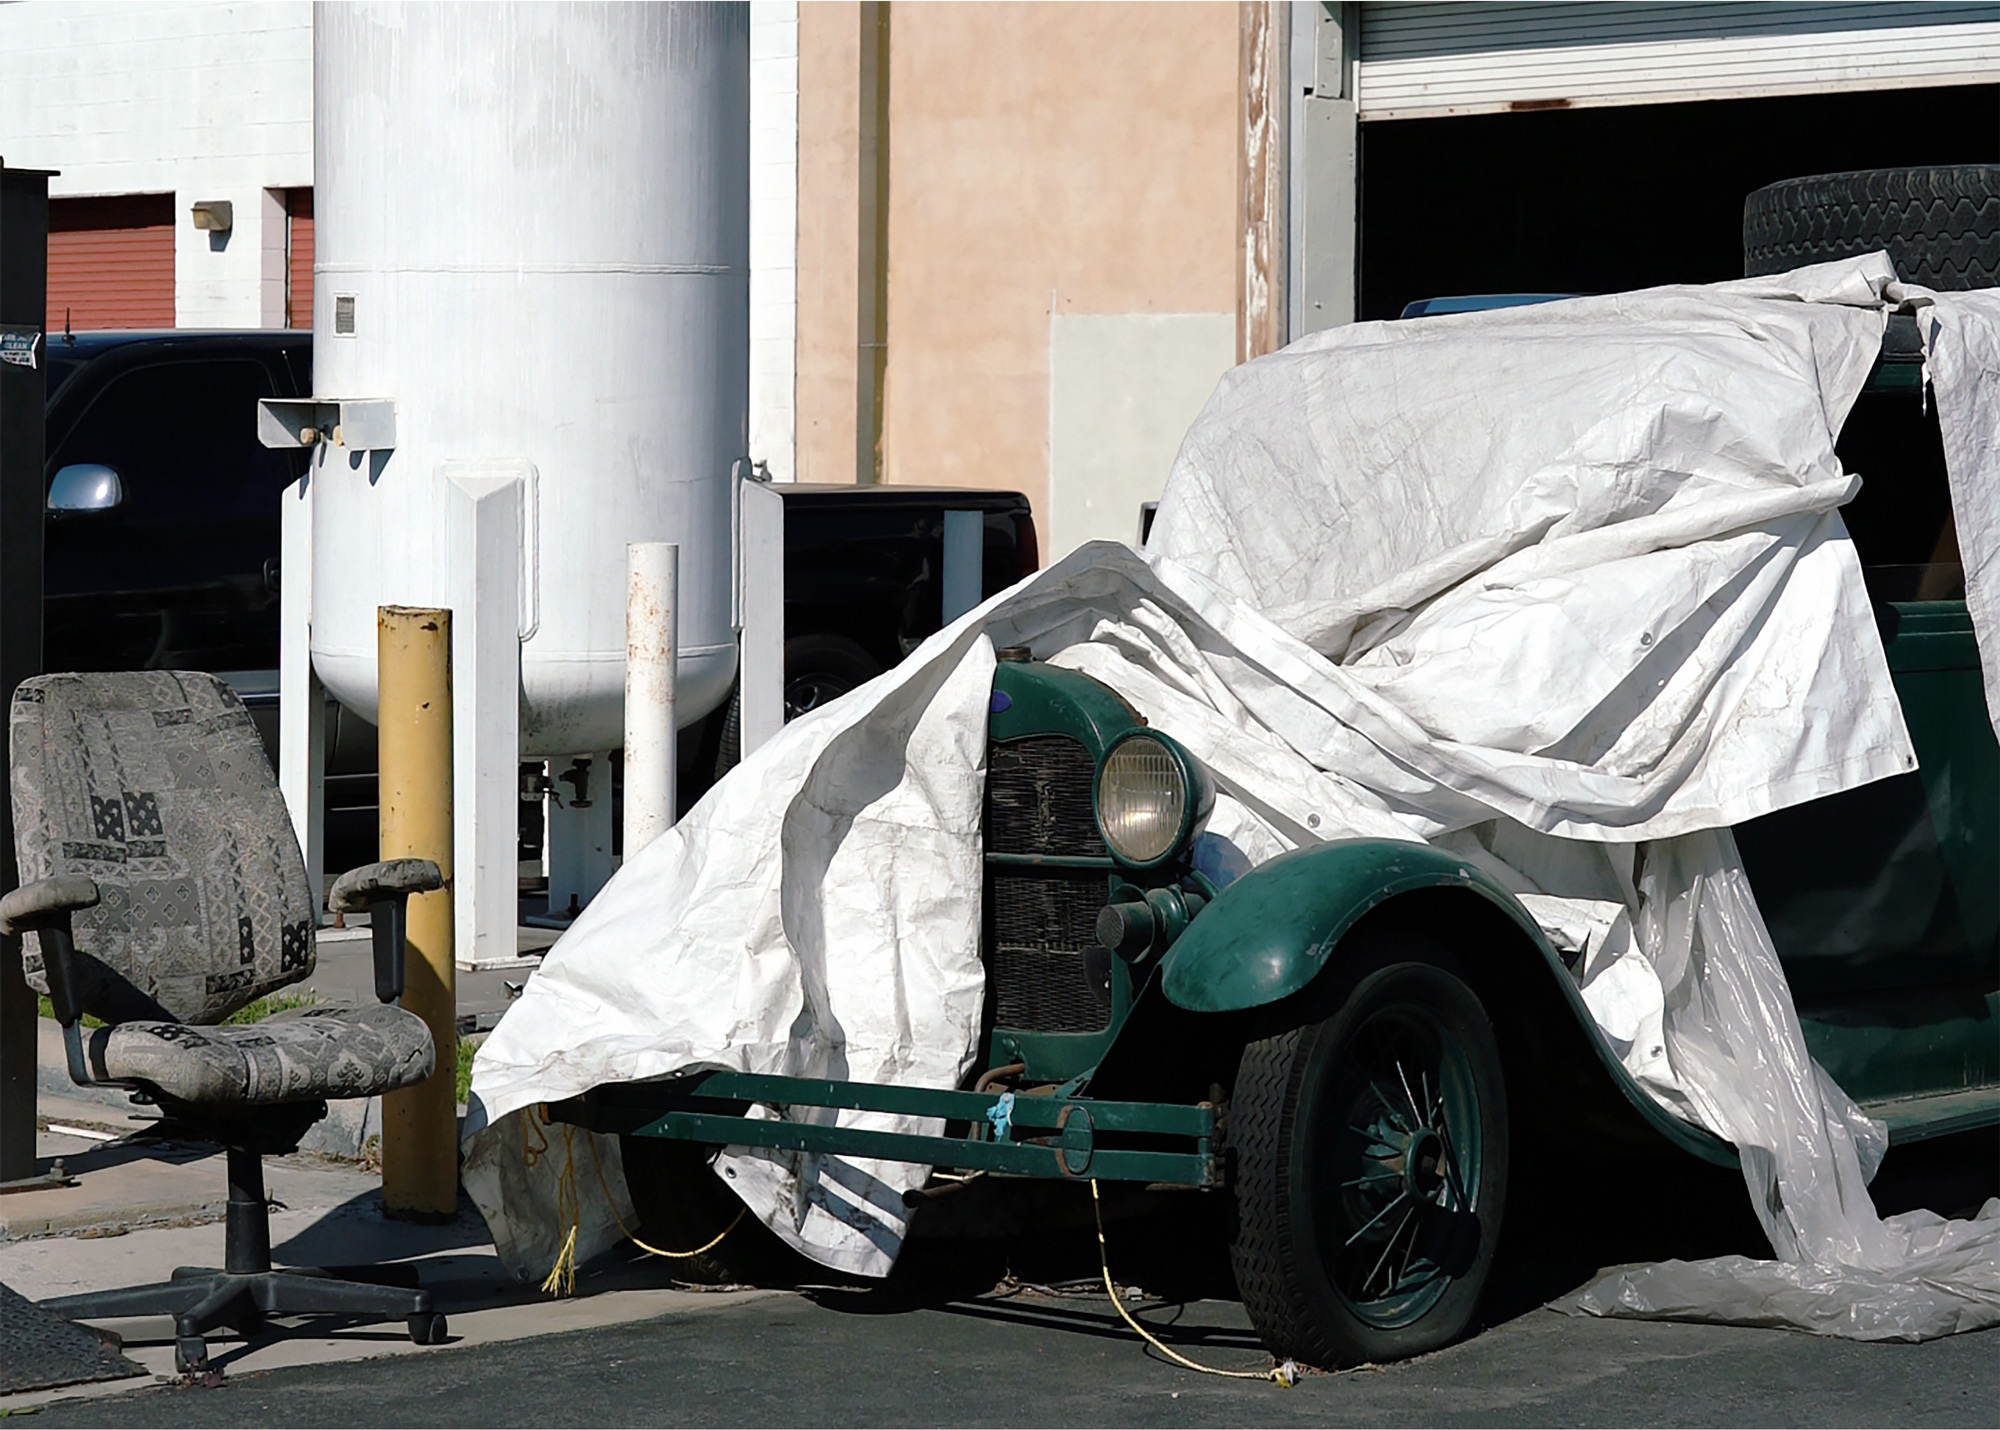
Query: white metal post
774	236
482	588
964	553
652	609
761	530
301	698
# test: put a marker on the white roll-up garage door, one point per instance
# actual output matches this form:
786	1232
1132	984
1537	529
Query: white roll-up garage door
1426	60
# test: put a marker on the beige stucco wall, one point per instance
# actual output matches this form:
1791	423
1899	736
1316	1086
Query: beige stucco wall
1045	160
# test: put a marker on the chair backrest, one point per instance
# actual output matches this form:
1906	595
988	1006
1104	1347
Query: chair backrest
154	784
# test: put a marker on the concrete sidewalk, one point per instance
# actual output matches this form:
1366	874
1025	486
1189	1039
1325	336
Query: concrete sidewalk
323	1213
141	1205
344	973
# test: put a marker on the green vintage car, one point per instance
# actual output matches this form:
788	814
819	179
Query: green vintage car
1346	1043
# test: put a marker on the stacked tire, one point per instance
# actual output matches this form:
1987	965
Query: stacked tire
1940	223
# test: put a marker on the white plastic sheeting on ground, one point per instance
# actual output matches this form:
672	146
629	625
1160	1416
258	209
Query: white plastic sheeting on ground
1557	588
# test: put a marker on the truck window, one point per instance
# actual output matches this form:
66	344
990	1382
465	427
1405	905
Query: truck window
201	493
178	576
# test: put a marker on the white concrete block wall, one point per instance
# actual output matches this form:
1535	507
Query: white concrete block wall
200	100
273	269
774	233
219	279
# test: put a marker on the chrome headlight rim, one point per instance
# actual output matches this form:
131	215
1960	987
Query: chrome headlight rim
1196	798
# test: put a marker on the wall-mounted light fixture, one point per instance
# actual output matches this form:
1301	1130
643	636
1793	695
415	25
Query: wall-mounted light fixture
215	215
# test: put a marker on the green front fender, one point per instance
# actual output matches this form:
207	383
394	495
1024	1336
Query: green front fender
1269	933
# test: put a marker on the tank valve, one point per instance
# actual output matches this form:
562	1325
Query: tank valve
577	777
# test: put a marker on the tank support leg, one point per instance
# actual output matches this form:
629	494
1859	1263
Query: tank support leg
579	831
301	698
483	588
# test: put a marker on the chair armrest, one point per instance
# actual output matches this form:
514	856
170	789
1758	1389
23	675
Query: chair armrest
46	903
45	907
383	890
361	889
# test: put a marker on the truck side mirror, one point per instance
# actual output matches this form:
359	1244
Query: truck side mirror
85	488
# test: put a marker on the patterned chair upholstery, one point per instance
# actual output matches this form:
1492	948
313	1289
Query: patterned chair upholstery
161	890
154	786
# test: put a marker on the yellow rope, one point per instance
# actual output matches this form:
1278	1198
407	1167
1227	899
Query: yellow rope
611	1202
562	1276
532	1155
561	1280
1286	1373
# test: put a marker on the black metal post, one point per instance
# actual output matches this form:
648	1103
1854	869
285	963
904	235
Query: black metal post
247	1233
24	263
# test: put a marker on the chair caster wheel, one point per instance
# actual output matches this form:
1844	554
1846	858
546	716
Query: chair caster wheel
427	1328
191	1356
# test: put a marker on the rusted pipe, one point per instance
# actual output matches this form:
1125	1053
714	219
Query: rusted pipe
993	1075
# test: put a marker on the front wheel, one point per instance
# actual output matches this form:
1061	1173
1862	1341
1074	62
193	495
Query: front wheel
1371	1164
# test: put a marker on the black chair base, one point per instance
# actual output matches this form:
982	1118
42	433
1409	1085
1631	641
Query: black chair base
200	1299
247	1290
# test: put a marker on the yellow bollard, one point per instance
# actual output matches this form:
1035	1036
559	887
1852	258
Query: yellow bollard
420	1124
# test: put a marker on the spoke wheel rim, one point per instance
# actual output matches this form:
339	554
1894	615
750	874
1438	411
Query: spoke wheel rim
1394	1177
807	693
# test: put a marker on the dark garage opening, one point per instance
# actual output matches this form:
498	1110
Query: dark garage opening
1598	200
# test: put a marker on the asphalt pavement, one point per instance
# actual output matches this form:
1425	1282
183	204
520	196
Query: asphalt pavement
934	1353
1027	1359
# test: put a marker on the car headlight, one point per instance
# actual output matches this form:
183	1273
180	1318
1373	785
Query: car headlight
1148	798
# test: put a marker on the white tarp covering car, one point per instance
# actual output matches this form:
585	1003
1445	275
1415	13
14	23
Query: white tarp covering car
1562	589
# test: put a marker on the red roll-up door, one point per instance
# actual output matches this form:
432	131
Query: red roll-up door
299	260
111	262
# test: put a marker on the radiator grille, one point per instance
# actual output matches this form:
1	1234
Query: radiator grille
1038	798
1050	975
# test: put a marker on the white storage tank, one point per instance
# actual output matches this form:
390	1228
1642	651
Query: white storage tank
533	238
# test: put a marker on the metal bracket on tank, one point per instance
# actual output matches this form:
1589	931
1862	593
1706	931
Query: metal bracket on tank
357	423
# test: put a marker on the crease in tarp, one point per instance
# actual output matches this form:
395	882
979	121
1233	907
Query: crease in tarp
1564	589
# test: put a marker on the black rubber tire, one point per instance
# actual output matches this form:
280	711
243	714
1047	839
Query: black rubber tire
1940	223
683	1204
1289	1203
818	668
729	744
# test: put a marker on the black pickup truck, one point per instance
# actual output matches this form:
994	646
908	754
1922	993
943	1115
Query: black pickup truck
163	540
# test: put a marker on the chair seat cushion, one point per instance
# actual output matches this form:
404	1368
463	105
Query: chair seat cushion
293	1057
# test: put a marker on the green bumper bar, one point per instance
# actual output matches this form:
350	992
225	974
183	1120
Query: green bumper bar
1022	1136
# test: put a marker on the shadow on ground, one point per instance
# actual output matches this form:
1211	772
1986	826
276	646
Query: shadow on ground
1568	1217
